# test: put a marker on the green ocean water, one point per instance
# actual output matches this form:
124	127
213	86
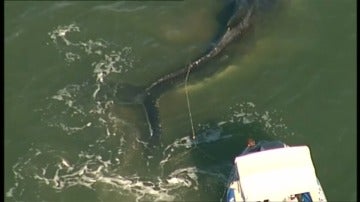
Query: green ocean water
70	135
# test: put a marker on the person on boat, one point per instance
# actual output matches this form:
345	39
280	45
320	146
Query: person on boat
251	142
251	146
262	145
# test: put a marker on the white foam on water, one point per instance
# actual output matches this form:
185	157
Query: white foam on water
118	7
96	91
10	193
76	100
91	169
206	136
245	113
182	146
71	57
108	60
61	31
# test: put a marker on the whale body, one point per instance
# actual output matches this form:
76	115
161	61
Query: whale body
237	24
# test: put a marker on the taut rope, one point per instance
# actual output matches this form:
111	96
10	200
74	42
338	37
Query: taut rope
188	102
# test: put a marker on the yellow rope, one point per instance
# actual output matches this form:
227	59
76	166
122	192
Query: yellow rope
188	102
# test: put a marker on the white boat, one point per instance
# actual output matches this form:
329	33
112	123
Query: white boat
273	171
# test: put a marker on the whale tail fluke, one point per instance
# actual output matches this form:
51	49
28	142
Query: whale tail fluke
151	110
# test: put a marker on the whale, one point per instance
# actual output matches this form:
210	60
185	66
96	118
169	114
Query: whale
237	25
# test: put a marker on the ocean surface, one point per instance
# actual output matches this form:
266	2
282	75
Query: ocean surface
73	132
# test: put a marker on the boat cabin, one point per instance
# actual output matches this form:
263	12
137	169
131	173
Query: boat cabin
280	174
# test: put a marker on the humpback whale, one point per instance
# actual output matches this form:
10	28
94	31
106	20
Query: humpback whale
236	25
